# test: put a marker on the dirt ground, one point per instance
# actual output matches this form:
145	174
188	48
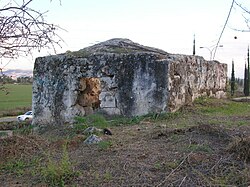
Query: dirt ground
190	148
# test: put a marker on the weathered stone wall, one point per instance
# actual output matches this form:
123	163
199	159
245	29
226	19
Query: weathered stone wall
191	76
131	84
119	77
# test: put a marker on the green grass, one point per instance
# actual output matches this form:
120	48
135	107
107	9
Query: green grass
16	166
221	107
199	148
104	145
19	96
99	121
57	173
227	122
228	109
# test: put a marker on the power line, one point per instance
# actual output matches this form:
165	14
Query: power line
223	28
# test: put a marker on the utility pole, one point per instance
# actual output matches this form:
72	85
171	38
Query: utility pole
194	46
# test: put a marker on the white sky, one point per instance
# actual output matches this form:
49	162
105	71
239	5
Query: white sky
165	24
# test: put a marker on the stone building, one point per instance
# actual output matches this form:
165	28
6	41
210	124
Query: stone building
119	77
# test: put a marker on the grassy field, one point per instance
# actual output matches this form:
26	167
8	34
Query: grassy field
206	144
19	96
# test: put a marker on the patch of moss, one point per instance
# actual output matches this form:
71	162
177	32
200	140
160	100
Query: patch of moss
80	53
121	50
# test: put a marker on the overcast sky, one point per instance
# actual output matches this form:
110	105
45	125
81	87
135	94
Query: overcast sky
165	24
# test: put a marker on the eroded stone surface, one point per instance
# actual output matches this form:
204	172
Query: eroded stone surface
192	76
120	77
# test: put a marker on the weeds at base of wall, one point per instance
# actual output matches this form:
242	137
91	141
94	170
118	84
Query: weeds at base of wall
79	128
204	100
99	121
25	129
95	120
119	120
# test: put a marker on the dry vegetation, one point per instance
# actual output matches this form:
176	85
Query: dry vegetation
203	145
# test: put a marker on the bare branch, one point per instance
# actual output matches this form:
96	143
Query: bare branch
23	29
245	12
243	8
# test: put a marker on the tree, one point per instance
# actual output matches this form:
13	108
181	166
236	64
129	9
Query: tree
7	79
23	29
246	87
232	80
194	46
25	80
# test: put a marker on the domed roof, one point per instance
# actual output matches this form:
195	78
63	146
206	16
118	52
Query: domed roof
121	45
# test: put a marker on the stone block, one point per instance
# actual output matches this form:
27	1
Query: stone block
112	111
107	100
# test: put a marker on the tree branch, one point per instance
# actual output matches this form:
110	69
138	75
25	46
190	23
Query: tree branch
23	29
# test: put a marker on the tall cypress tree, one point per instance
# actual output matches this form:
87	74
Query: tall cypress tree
248	76
245	80
194	45
232	80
